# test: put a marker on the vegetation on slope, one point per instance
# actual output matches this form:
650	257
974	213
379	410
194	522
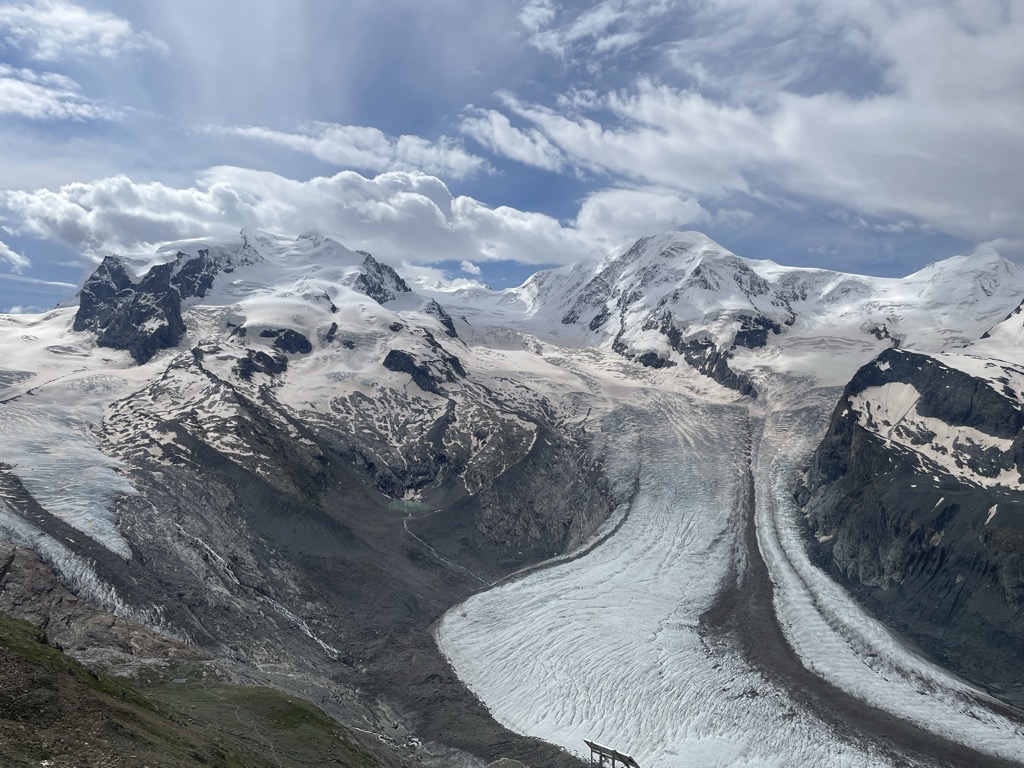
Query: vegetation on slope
56	712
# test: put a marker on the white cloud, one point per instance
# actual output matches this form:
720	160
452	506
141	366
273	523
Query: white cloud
37	281
50	29
396	215
607	27
732	217
663	136
470	268
14	260
353	146
899	112
47	96
496	132
537	14
432	278
1008	246
618	215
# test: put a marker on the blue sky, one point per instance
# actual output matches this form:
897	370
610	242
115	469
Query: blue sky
482	140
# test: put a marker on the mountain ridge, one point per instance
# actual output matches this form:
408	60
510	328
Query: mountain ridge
303	461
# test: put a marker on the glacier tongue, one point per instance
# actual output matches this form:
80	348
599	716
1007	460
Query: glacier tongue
611	646
56	457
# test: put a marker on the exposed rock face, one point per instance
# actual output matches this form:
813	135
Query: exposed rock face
257	361
429	375
141	318
435	309
753	332
144	316
591	298
881	332
701	353
30	591
379	281
289	341
714	363
915	497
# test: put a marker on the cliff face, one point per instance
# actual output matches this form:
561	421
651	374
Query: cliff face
142	317
914	497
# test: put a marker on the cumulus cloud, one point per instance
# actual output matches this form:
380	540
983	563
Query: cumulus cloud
433	278
365	148
397	215
400	216
14	260
49	29
47	96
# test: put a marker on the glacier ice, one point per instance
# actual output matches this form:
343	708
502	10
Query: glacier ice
609	647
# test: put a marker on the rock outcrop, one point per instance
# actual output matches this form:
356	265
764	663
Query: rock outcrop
379	281
143	314
31	592
139	317
915	499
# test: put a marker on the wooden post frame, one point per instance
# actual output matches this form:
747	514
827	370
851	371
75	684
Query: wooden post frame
608	757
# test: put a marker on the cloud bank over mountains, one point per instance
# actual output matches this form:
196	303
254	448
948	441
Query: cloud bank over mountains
408	215
856	135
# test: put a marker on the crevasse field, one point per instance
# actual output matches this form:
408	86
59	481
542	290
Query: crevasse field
611	647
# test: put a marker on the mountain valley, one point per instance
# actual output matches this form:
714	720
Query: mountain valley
707	509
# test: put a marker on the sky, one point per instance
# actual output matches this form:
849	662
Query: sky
482	141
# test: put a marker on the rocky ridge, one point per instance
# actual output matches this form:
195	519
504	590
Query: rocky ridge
916	498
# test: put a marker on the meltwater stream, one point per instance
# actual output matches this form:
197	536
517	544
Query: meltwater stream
610	647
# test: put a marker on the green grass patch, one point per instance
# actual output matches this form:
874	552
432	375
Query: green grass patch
29	642
199	720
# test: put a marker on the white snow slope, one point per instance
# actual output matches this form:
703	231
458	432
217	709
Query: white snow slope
607	646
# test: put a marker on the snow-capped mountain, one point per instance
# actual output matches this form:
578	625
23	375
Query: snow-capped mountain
276	453
680	298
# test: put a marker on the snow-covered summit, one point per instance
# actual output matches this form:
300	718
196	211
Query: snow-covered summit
701	282
681	298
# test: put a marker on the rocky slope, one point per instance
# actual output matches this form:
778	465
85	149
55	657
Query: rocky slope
916	499
55	712
283	458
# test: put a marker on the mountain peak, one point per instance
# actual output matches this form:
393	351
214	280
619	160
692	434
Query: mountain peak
983	259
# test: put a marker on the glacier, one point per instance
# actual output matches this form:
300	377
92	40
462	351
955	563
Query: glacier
614	647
